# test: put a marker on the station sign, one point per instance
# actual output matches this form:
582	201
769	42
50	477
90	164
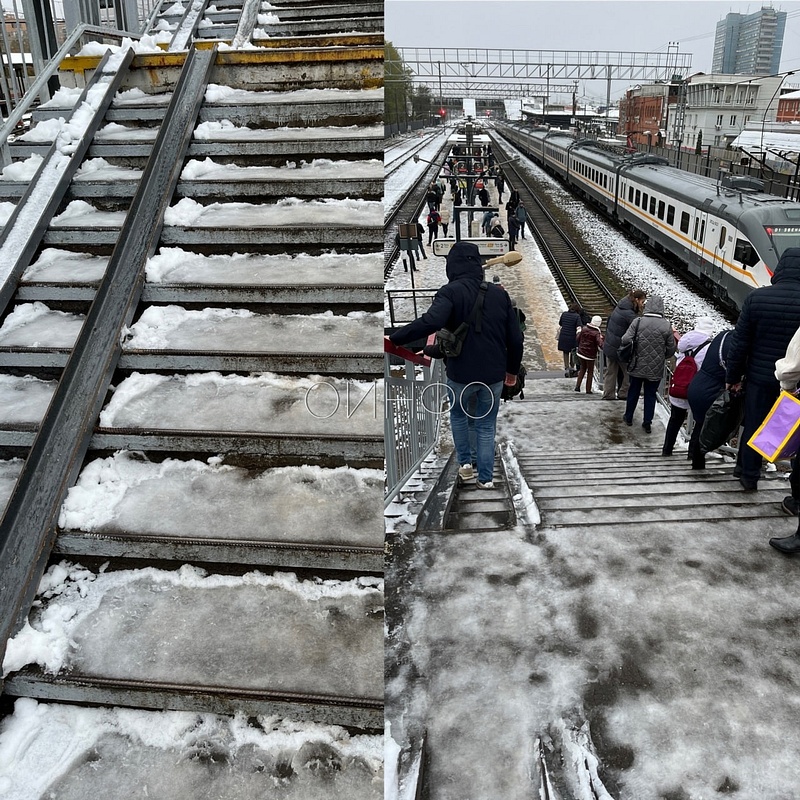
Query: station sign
486	246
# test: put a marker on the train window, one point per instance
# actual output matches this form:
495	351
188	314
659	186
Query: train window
684	222
638	197
745	253
722	234
630	194
670	215
644	200
605	181
652	205
702	231
661	206
696	227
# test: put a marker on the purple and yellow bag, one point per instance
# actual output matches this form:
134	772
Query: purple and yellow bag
778	436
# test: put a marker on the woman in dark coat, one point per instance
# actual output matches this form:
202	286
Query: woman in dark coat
569	321
704	389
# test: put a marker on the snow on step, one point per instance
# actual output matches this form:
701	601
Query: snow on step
24	399
194	499
173	265
227	131
34	325
318	169
65	266
74	753
265	403
239	330
249	632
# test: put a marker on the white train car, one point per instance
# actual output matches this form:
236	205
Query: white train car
729	236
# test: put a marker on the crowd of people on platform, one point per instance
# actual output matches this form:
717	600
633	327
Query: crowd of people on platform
755	360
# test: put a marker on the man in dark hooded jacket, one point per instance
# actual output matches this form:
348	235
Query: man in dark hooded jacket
615	377
768	320
488	358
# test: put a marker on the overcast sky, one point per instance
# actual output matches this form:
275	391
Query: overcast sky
629	25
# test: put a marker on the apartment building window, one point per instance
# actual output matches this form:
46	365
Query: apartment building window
733	120
719	119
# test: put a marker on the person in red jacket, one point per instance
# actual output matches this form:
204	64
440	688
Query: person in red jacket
589	340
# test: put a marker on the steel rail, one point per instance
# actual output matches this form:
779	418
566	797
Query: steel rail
24	230
28	528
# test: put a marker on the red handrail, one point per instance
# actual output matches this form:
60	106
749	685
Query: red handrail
403	352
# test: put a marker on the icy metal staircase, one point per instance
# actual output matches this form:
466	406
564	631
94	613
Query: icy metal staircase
165	338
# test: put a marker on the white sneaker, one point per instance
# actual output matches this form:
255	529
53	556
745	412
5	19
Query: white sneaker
466	473
487	485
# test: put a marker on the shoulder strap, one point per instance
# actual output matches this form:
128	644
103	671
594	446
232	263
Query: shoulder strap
476	315
693	352
721	343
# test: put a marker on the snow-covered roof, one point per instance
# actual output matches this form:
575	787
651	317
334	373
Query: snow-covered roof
769	140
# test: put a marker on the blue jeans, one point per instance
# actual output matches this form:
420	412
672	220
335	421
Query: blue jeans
650	394
473	416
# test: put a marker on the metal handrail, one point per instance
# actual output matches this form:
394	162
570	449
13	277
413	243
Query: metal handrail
15	117
413	412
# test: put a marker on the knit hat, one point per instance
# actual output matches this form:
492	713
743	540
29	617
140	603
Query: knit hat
596	321
704	325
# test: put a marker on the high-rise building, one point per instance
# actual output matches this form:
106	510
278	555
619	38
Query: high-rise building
749	43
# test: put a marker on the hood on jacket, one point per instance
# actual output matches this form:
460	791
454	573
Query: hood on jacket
654	305
788	267
464	261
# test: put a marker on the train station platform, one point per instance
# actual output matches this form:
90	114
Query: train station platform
606	622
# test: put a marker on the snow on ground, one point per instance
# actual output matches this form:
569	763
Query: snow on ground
399	181
53	750
125	492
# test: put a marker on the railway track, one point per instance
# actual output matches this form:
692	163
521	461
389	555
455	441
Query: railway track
390	167
190	376
407	208
575	277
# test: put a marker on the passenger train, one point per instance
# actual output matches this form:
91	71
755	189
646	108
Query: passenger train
729	236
